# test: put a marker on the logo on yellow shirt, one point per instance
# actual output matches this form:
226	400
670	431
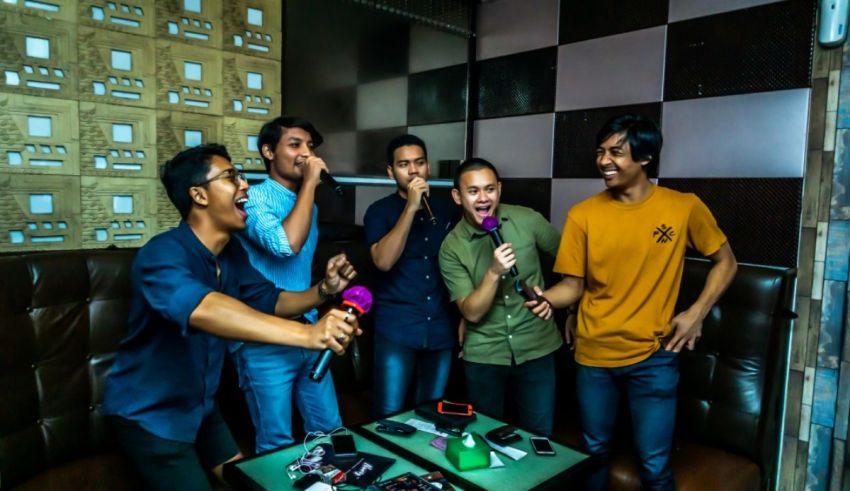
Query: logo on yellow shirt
663	234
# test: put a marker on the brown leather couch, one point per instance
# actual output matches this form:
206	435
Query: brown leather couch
62	315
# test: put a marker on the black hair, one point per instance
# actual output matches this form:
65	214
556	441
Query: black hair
271	132
186	170
403	141
474	163
642	133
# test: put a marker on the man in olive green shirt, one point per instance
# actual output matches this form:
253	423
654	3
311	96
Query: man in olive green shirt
506	347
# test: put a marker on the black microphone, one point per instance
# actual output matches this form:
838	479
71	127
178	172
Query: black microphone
356	301
330	181
427	206
491	226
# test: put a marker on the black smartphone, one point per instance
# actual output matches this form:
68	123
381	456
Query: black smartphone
542	446
343	446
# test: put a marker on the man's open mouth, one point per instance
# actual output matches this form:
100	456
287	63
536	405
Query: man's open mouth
609	172
240	206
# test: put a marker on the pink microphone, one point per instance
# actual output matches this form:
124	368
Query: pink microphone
356	300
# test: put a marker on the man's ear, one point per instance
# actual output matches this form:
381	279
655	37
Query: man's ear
390	172
456	196
199	195
267	151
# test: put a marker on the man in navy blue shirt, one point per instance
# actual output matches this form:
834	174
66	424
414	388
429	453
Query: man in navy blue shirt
193	288
413	327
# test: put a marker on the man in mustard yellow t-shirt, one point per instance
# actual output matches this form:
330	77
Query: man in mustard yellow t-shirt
622	253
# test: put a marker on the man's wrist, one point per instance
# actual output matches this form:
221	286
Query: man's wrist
324	293
410	208
571	310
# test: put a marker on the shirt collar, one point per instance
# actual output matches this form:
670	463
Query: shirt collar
397	197
188	237
280	188
471	231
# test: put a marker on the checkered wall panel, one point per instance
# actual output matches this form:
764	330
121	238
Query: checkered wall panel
728	82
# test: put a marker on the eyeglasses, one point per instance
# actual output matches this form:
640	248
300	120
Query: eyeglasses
232	175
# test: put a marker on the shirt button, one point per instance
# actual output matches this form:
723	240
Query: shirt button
427	277
503	277
510	336
426	258
429	317
509	316
507	297
428	298
426	239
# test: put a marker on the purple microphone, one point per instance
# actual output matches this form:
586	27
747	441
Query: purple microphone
356	300
491	225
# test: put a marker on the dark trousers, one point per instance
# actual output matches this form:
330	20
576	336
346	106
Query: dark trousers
532	385
170	464
399	368
650	389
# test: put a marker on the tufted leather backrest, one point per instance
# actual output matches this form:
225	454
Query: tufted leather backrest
732	385
62	315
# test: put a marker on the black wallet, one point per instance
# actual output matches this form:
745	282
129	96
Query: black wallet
503	435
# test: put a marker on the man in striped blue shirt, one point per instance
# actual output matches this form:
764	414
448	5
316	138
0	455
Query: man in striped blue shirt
280	239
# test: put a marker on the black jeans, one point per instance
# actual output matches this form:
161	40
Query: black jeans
170	464
531	383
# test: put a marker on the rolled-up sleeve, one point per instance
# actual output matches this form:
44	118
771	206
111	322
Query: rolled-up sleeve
376	224
168	285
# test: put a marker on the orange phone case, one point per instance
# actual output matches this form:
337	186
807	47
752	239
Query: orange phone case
458	413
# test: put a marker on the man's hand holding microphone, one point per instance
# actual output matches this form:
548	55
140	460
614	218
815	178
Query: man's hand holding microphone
417	197
336	328
311	169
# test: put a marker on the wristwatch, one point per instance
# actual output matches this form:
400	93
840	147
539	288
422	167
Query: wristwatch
324	294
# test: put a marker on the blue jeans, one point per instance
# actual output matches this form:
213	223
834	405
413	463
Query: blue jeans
650	389
270	376
398	367
532	386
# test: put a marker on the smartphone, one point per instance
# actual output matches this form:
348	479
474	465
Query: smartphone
343	446
542	446
446	407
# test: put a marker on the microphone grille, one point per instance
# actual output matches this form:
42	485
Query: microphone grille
359	296
490	223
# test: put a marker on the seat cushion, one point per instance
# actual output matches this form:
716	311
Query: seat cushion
695	467
104	471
